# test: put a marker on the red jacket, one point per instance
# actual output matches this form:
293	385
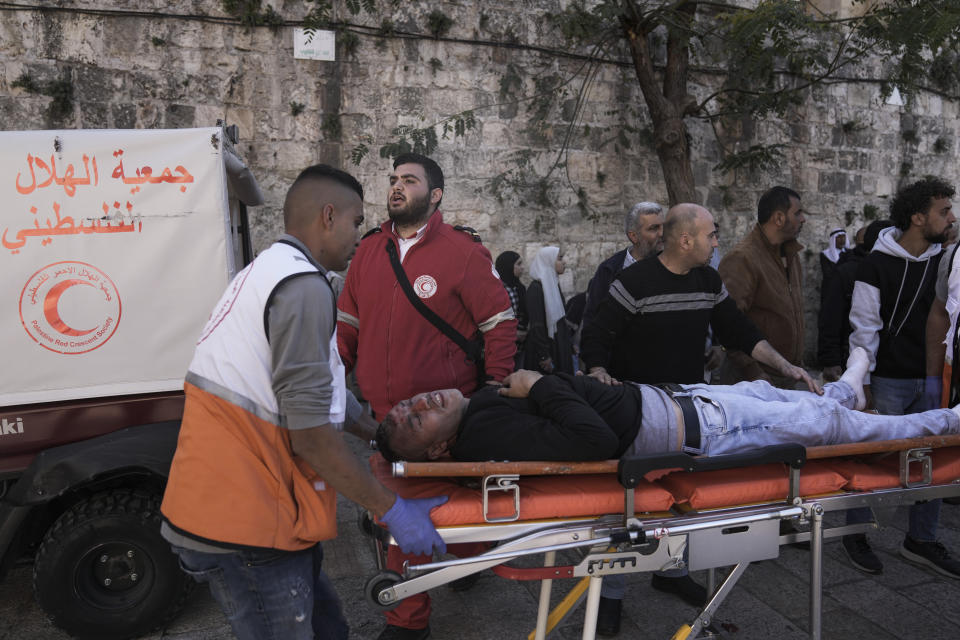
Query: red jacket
395	351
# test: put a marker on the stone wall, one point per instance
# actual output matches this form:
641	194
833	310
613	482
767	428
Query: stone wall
187	63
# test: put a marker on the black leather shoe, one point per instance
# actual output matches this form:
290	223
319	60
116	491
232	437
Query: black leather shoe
683	587
608	617
391	632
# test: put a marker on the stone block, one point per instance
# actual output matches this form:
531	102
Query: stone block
148	115
714	199
799	132
861	94
328	153
848	160
243	118
94	115
124	116
832	182
191	61
822	157
180	116
410	100
582	167
92	83
138	86
886	186
207	115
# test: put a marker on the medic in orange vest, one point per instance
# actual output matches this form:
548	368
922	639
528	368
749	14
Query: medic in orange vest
260	457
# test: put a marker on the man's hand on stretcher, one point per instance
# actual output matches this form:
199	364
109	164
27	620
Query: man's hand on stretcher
410	525
765	353
799	373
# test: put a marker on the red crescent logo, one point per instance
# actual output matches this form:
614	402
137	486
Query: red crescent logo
51	311
44	304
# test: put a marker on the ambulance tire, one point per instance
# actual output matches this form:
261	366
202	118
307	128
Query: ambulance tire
104	571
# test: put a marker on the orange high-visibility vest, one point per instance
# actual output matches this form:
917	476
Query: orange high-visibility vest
234	477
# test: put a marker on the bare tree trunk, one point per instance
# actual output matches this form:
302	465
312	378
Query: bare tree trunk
667	105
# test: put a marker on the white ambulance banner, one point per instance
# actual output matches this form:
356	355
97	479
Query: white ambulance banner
113	250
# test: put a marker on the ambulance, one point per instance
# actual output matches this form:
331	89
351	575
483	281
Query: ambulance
114	247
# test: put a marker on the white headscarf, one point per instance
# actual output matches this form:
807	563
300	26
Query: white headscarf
831	252
543	268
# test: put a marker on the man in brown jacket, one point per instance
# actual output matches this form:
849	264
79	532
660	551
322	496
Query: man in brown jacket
762	274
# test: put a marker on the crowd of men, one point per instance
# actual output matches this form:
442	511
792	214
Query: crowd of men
261	456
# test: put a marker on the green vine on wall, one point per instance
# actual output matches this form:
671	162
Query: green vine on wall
60	91
251	13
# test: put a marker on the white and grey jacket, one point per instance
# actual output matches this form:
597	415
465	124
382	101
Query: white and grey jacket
891	298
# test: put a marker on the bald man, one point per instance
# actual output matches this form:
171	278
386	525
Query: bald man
653	323
261	458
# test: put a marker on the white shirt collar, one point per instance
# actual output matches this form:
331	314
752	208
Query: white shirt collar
406	243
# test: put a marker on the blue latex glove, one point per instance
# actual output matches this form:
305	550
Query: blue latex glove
409	523
932	390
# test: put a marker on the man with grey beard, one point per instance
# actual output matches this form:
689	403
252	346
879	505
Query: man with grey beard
643	225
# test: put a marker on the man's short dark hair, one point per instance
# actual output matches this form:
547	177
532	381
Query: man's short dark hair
917	198
775	199
383	437
326	172
431	168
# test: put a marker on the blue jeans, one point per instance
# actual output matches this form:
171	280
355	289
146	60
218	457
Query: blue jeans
899	397
270	595
755	414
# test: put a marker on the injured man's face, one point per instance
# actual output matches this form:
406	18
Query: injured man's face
423	427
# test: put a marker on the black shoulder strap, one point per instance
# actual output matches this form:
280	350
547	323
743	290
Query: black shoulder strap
371	232
468	347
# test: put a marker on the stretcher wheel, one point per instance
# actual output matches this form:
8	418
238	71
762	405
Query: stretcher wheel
365	522
379	582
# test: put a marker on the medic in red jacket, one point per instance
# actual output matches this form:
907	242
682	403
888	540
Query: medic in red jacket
395	351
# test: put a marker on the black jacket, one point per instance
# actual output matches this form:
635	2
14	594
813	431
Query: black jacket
891	300
564	418
600	283
833	321
539	345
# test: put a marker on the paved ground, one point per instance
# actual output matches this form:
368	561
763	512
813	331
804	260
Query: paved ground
770	601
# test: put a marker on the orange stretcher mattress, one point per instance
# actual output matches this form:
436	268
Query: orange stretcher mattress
541	497
882	471
765	483
545	497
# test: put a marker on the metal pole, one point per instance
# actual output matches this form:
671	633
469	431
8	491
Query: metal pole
816	570
593	606
543	612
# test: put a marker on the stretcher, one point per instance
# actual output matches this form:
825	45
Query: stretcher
651	513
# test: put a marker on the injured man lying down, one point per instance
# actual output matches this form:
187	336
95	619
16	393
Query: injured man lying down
563	417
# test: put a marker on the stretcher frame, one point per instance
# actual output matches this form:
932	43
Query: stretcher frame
631	542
